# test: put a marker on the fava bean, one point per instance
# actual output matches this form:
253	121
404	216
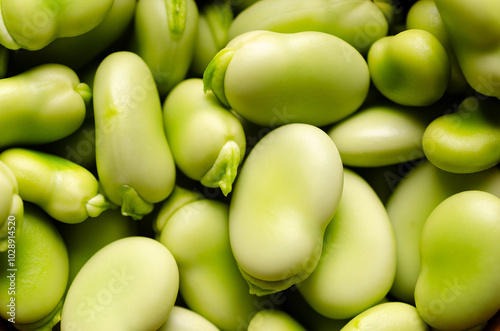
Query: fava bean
390	316
473	30
66	191
459	279
165	32
182	319
274	320
360	23
264	77
380	135
467	140
411	204
41	105
78	51
286	194
411	68
34	24
130	284
359	241
213	26
197	234
207	141
134	163
36	284
425	16
178	198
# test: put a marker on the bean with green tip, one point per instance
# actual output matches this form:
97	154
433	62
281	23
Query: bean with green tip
41	105
207	141
164	36
213	26
66	191
272	78
134	162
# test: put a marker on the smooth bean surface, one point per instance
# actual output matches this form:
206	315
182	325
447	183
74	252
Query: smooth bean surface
287	192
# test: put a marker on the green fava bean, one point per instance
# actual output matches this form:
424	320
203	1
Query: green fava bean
130	284
197	234
411	68
66	191
360	23
165	35
424	15
178	198
41	105
182	319
110	226
474	31
411	204
207	141
263	77
39	283
359	241
274	320
78	51
287	192
390	316
134	163
213	27
459	280
465	141
33	24
380	135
